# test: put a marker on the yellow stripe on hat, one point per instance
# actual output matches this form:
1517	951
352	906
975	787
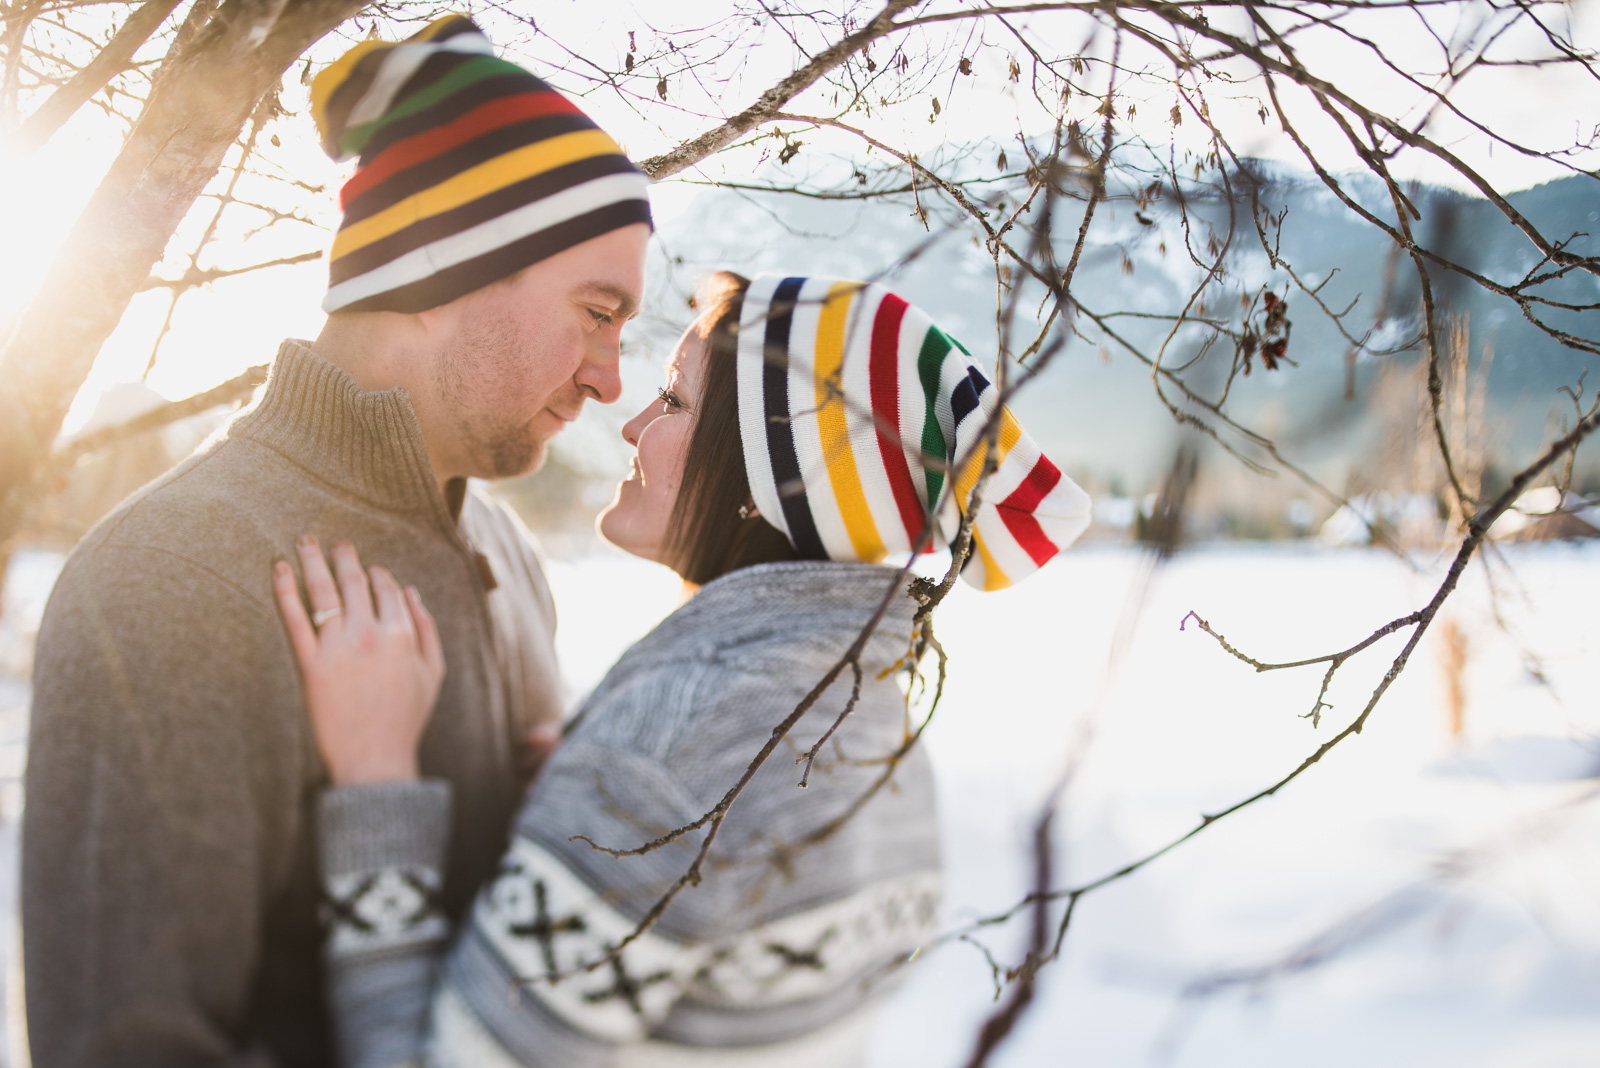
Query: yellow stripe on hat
836	450
334	75
470	185
1010	433
993	577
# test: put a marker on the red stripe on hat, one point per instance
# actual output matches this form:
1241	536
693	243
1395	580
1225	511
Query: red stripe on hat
886	412
421	147
1017	511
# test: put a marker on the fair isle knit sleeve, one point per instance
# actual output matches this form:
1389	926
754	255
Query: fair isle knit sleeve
383	849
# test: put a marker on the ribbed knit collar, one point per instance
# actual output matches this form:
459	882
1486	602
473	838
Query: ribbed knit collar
365	444
782	602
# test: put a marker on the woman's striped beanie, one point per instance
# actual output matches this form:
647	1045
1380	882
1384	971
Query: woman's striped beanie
470	170
853	409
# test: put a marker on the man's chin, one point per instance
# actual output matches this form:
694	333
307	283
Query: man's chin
515	459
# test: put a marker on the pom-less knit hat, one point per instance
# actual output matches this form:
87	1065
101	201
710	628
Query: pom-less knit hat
853	407
470	170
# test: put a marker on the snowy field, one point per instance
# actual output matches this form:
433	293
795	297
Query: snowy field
1431	900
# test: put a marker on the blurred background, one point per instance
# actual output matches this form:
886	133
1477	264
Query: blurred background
1425	894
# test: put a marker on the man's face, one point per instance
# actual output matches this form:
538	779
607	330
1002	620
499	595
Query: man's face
520	357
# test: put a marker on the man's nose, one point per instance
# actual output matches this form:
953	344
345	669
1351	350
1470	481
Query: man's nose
600	374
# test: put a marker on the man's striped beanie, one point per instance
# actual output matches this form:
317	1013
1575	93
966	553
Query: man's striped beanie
470	170
853	409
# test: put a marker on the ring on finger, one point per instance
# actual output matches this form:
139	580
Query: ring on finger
321	617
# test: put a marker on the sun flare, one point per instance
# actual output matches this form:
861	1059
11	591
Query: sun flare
42	193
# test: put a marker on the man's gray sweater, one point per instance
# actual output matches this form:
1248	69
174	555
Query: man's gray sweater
777	959
169	889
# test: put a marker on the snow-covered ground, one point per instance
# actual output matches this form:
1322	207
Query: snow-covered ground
1433	900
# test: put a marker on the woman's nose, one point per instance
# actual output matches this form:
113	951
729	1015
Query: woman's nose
635	426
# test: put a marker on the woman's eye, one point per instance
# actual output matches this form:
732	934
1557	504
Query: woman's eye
670	399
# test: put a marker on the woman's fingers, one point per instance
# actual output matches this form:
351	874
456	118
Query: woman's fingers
320	587
302	635
352	583
538	744
386	595
427	632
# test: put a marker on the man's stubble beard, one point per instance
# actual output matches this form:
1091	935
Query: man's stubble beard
495	446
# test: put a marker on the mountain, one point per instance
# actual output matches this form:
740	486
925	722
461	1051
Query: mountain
1095	408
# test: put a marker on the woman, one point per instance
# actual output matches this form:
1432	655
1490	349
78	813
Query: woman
805	432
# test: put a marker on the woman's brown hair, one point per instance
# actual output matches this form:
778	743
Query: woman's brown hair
708	532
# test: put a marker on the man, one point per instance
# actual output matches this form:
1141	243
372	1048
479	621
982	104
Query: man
491	249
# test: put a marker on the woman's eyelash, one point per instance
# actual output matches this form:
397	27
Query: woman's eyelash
669	398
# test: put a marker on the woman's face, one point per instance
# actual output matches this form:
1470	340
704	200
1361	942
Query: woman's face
639	517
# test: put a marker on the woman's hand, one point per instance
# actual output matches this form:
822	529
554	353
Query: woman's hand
539	744
371	665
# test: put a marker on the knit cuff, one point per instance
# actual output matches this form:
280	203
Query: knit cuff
365	829
383	850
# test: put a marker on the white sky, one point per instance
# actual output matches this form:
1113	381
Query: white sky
219	331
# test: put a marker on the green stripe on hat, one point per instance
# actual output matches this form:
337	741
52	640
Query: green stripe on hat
469	73
935	346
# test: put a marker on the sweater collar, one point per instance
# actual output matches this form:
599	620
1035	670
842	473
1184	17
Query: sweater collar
784	602
366	444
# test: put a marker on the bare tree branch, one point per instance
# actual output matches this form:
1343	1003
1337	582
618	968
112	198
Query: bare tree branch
232	391
194	277
773	100
107	63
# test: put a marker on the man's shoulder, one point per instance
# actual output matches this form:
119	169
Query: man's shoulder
214	519
171	594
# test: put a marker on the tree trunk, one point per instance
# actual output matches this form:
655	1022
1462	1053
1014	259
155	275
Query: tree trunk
192	117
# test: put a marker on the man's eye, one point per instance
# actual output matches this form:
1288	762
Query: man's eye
600	318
